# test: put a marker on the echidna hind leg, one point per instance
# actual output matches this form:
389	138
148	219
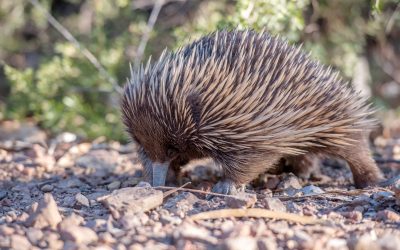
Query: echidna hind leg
303	165
363	167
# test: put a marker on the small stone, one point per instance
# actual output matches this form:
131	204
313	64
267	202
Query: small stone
266	244
103	161
19	242
382	195
389	242
47	188
143	184
131	182
354	215
6	230
365	242
241	200
78	234
46	214
239	243
274	204
132	221
388	215
303	239
311	190
196	233
114	185
132	200
290	181
72	220
3	194
34	235
82	200
181	203
336	244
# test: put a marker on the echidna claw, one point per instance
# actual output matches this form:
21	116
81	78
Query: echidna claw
224	187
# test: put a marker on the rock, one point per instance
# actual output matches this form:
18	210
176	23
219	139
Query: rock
103	161
336	244
389	242
354	215
3	194
114	185
72	220
241	200
132	221
388	216
19	242
195	233
46	214
131	182
78	234
303	239
47	188
365	242
34	235
266	244
82	200
311	190
239	243
396	189
181	203
382	195
132	200
290	181
274	204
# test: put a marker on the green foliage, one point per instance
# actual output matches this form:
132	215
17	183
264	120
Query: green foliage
63	91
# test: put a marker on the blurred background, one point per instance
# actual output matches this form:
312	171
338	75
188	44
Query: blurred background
62	62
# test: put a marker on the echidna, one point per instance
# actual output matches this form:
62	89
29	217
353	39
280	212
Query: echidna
246	100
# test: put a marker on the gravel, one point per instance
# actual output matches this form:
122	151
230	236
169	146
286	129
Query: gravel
81	195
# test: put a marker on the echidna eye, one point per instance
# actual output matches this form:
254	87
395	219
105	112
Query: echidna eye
172	152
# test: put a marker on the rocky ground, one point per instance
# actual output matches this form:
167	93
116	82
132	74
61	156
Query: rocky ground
65	193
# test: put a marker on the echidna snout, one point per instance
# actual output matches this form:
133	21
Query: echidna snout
246	100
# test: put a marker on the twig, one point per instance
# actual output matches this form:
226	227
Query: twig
175	190
257	213
67	35
390	22
195	191
146	35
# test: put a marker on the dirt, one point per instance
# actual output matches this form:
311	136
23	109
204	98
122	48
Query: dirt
66	193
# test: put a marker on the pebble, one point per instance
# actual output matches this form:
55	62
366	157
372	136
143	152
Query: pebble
181	203
132	200
78	234
336	244
240	243
241	200
3	194
311	190
19	242
388	215
47	188
354	215
34	235
290	181
274	204
82	200
266	244
114	185
194	232
46	214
